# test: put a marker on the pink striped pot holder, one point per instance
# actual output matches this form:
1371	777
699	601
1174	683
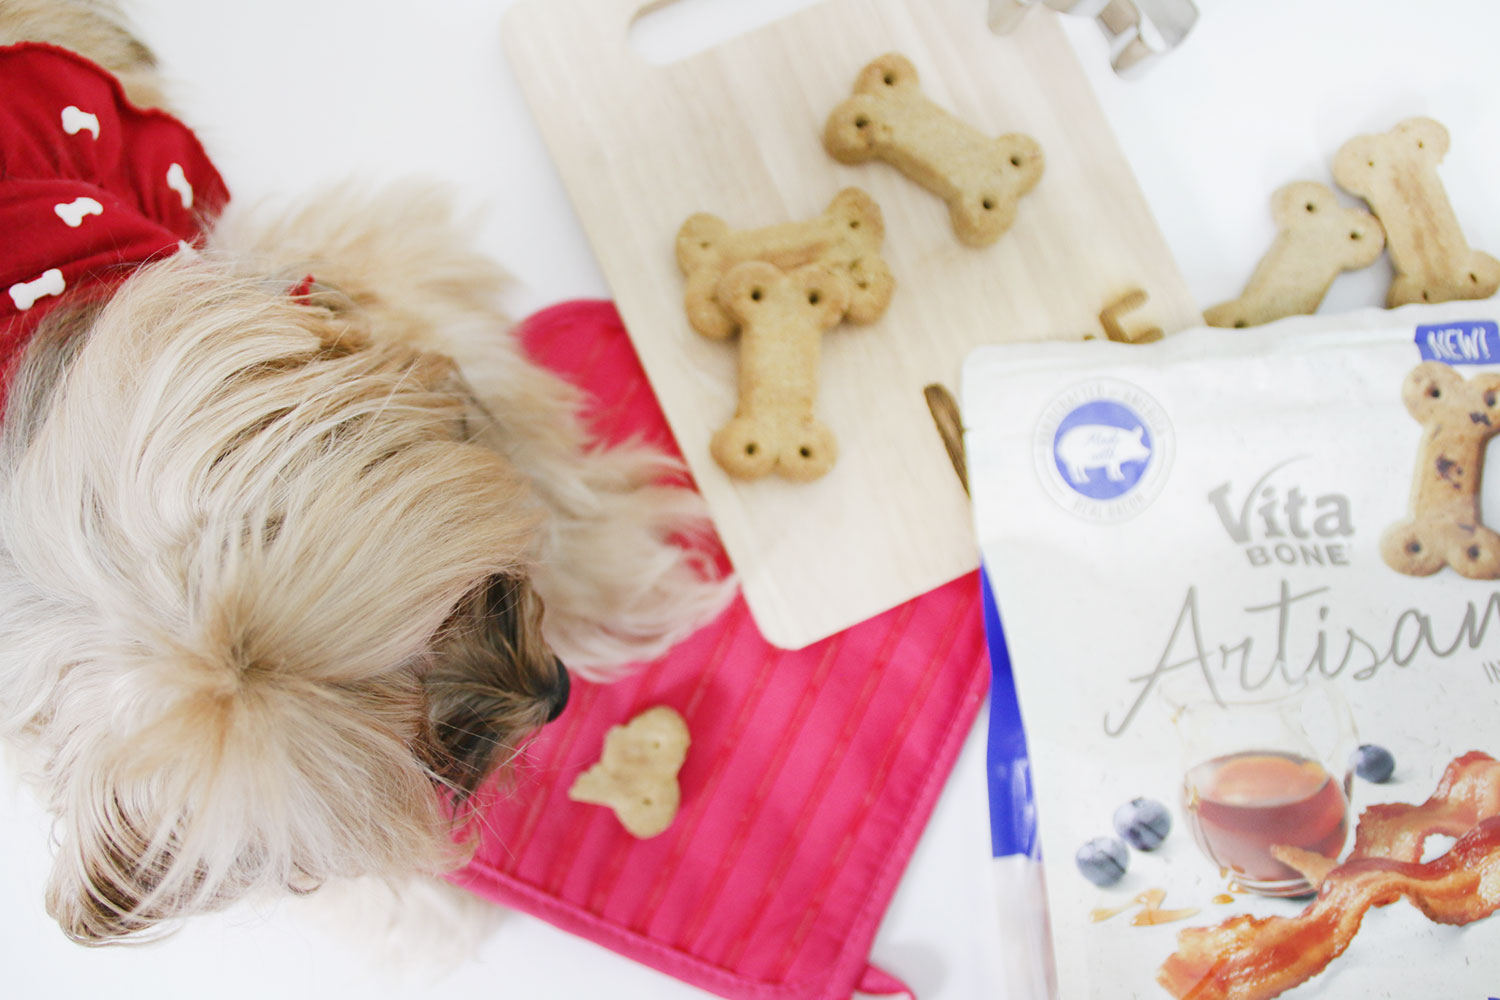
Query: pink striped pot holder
810	776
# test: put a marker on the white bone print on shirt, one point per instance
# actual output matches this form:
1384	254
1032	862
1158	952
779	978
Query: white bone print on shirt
25	293
72	212
177	181
75	120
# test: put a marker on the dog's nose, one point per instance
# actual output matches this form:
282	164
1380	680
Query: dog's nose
560	692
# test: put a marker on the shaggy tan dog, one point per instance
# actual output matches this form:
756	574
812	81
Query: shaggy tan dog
273	564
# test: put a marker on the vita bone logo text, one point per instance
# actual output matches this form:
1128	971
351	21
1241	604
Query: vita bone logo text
1283	525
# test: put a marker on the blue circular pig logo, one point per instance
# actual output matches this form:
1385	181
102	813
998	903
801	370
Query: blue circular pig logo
1102	449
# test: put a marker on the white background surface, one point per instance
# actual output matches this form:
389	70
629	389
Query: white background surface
287	94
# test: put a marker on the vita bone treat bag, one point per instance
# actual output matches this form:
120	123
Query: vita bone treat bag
1206	555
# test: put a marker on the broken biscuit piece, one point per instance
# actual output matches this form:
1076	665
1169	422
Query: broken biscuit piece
637	774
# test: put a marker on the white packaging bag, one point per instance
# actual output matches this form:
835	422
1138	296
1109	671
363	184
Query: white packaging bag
1184	540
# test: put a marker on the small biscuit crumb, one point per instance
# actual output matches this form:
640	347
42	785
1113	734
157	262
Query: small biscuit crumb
1109	318
636	776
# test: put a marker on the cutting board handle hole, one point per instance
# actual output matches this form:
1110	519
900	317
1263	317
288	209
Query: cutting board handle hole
669	31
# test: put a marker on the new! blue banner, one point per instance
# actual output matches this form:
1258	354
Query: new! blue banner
1465	342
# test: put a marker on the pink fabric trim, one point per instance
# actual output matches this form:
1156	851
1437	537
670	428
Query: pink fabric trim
876	982
811	776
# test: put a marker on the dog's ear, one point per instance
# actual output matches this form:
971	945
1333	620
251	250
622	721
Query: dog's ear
212	785
144	833
341	322
108	880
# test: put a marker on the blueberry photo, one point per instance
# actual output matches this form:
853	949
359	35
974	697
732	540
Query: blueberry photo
1143	823
1373	763
1103	860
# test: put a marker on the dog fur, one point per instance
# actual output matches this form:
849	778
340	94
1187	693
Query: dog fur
273	568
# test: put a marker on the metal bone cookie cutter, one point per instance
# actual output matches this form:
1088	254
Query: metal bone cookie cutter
1138	30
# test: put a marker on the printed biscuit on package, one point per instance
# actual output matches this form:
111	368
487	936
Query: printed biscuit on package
1250	585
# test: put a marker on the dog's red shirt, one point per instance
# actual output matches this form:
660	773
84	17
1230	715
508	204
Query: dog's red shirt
90	186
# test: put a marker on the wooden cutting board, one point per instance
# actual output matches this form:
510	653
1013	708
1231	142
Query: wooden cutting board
736	131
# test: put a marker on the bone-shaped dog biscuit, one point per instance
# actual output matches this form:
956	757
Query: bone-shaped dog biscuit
1458	418
1396	172
1316	240
847	237
637	774
782	319
888	118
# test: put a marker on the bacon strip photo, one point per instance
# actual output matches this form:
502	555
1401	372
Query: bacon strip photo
1257	958
1468	791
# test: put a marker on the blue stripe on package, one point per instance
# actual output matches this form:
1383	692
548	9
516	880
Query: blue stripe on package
1012	808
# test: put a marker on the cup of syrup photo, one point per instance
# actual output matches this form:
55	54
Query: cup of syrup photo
1265	772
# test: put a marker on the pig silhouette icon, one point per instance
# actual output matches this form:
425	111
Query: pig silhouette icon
1100	446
